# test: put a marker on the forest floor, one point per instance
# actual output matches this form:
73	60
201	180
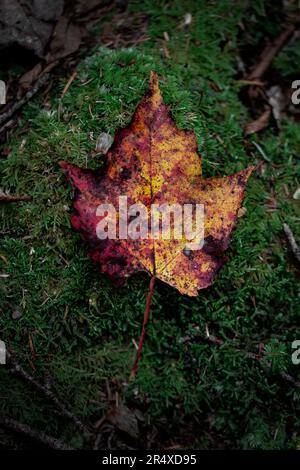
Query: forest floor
66	323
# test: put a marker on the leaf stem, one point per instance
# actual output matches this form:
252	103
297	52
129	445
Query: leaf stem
146	317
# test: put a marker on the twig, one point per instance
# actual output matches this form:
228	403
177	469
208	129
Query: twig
18	369
7	125
97	441
289	235
36	434
284	375
269	53
146	317
217	342
19	104
12	198
290	379
67	85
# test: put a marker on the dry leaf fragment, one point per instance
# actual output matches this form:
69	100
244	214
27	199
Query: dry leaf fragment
66	39
296	194
241	212
277	101
28	78
124	419
258	124
104	142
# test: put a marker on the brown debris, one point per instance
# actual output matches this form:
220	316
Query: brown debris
4	197
68	84
15	106
66	39
291	239
270	52
124	419
17	369
258	124
36	434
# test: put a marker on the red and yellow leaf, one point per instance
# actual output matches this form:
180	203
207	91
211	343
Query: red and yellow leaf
154	162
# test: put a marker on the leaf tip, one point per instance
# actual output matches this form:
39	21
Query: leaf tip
250	170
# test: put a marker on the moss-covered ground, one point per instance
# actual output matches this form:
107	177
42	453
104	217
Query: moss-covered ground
74	326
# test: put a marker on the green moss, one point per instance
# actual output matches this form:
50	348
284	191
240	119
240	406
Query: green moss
81	327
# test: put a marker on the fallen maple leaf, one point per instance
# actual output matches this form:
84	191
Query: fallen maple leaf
153	162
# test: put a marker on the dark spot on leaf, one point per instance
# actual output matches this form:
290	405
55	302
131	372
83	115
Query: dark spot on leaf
125	173
188	253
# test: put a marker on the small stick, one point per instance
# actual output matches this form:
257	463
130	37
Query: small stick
97	441
19	104
36	434
270	52
12	198
289	235
146	317
290	379
212	340
67	86
18	369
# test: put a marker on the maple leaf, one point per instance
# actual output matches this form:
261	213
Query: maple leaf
153	162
